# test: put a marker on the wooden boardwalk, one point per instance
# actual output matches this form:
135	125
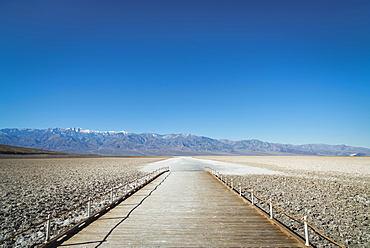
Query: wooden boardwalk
183	209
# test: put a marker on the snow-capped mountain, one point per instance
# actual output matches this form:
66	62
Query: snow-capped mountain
65	131
122	143
82	130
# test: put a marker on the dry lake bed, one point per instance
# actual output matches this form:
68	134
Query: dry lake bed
31	189
333	192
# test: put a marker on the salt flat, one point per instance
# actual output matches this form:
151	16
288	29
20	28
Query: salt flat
31	189
352	165
196	164
334	192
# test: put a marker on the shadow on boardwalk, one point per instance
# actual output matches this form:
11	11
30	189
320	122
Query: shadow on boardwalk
182	209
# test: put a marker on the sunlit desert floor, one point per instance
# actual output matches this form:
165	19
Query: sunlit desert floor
31	189
333	192
354	166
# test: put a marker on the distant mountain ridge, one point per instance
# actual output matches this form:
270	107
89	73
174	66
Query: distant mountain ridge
122	143
7	151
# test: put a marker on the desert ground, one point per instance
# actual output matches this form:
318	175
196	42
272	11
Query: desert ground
333	192
31	189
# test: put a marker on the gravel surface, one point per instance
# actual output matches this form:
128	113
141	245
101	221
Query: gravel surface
333	192
31	189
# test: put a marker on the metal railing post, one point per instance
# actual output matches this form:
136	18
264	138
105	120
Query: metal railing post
89	207
306	231
240	190
47	237
271	214
252	197
45	224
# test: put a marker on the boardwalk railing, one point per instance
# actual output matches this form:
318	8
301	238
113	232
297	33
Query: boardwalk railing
57	227
253	198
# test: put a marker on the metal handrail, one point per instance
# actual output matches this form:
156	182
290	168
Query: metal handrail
144	179
230	183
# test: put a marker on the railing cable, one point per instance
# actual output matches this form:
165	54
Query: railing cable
220	176
150	175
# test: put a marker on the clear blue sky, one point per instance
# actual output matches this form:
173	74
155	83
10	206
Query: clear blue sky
281	71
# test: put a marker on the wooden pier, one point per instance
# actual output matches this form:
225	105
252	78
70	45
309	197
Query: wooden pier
183	209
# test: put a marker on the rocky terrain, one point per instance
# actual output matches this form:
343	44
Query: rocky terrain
121	143
334	193
31	189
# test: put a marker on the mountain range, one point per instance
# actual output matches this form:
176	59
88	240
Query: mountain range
122	143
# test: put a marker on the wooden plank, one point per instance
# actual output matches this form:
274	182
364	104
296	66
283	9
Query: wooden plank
187	209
